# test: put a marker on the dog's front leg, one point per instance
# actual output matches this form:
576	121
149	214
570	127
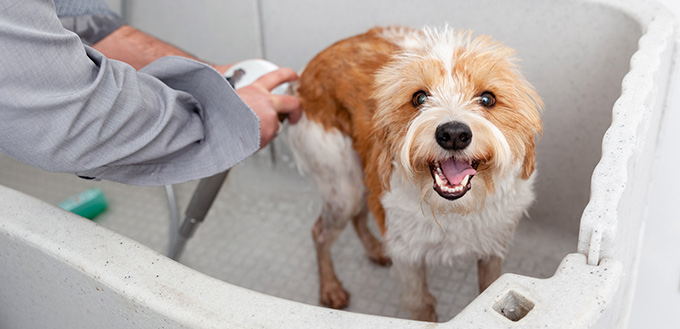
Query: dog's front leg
375	249
488	270
416	296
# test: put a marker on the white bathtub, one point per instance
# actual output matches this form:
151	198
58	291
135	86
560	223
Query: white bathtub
588	59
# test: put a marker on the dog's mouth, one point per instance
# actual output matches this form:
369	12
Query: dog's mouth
452	177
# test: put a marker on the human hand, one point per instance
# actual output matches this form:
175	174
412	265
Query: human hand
267	106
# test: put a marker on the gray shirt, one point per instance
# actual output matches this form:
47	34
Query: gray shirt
65	107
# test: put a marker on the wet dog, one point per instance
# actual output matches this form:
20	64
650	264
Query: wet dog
433	132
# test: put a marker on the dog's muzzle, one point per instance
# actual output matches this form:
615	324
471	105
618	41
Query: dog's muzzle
452	176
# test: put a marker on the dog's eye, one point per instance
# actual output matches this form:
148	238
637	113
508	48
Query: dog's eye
419	98
487	99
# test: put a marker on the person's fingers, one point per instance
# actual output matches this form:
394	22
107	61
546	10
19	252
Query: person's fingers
277	77
288	106
271	108
268	130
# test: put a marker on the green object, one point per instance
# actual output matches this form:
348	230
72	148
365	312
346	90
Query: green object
88	204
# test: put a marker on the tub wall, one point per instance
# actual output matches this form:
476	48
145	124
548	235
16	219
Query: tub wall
624	179
657	292
578	75
60	270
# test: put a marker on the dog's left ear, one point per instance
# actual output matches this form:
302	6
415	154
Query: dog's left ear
529	160
533	126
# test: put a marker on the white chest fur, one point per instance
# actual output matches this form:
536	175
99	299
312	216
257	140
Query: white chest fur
414	235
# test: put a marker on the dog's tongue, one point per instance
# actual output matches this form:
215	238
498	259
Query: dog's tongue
455	170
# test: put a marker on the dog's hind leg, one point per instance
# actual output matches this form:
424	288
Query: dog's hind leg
416	296
327	155
324	233
374	247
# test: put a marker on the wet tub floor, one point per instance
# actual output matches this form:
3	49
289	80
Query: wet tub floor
257	235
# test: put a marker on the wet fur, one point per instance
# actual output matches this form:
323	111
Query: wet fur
369	149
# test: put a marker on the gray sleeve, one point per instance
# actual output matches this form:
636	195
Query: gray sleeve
65	107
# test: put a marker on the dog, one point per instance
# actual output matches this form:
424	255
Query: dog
430	130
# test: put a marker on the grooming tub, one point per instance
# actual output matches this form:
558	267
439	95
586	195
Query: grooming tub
603	68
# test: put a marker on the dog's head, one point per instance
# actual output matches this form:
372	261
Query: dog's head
455	113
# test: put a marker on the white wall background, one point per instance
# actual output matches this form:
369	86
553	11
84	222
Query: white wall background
116	5
218	31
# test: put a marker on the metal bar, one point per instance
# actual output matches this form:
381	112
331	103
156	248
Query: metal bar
201	201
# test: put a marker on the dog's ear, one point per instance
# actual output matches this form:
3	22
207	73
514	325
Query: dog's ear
533	126
529	160
378	165
384	169
378	169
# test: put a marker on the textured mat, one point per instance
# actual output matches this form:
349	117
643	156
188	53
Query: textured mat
257	235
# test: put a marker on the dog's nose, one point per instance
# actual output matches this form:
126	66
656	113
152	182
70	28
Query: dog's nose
453	135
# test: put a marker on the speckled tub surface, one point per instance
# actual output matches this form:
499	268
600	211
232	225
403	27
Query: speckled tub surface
603	69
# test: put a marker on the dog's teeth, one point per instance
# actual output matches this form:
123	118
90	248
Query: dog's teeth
439	180
445	186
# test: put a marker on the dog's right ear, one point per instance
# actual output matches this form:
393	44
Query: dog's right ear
378	171
380	159
378	163
384	169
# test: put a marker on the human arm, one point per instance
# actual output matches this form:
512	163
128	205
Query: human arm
65	107
139	49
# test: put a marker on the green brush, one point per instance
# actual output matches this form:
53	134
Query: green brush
88	204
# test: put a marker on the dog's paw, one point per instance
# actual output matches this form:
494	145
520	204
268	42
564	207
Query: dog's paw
334	296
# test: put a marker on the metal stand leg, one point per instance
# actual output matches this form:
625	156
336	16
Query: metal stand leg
200	203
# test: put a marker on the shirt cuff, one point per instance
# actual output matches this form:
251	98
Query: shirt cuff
231	130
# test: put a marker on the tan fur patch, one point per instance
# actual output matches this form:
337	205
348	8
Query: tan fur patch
335	90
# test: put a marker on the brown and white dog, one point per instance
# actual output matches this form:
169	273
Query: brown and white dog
432	131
